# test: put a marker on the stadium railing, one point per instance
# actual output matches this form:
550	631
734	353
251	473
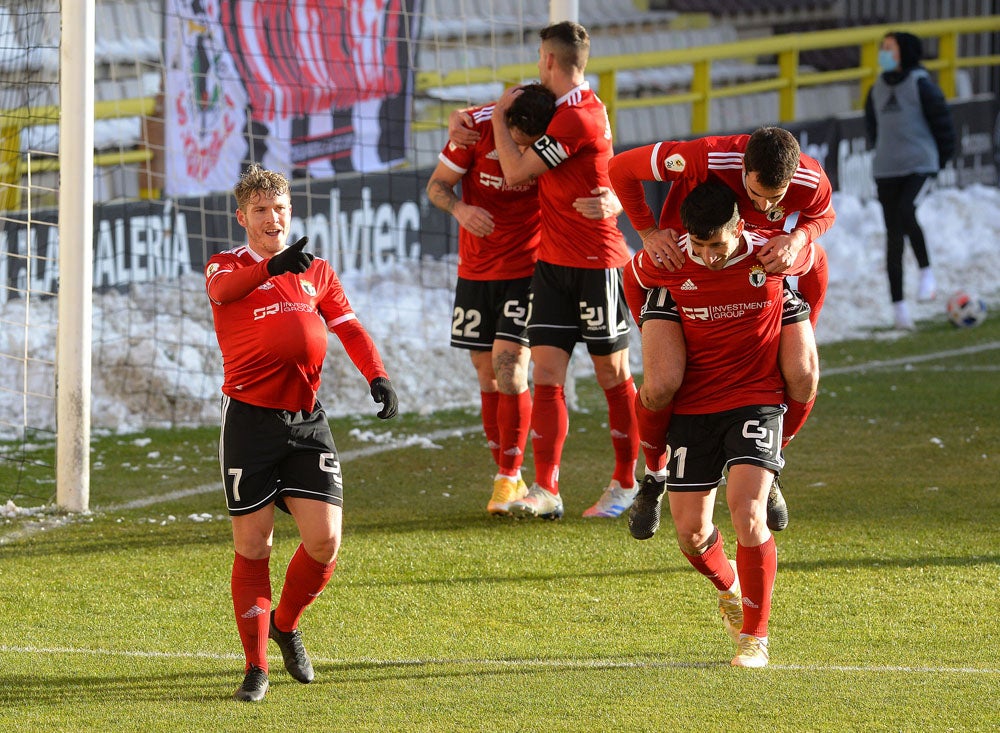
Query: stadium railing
785	77
788	76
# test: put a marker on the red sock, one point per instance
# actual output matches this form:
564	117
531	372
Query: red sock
653	427
757	567
812	285
549	427
624	431
714	565
514	420
490	402
305	579
251	589
794	418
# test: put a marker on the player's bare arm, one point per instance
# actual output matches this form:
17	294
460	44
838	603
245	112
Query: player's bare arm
605	205
441	192
662	248
519	166
780	252
461	132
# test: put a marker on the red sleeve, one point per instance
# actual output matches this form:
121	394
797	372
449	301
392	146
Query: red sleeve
360	348
819	216
227	283
627	172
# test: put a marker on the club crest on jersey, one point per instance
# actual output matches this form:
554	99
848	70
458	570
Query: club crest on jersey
776	214
212	269
757	276
675	163
309	288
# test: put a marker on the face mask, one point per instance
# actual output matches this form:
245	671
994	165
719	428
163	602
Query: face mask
886	61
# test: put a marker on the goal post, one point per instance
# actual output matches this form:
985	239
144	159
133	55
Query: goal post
76	216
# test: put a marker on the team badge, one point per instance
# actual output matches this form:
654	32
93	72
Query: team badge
776	214
309	288
757	276
211	269
675	163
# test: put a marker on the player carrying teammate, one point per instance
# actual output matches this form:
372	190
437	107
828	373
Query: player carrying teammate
773	181
728	409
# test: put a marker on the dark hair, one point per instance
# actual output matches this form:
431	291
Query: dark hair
256	180
911	49
531	110
773	154
572	41
708	209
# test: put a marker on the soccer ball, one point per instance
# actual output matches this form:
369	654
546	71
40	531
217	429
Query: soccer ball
966	310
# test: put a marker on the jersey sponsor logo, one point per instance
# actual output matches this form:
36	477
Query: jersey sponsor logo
723	312
285	307
500	183
675	163
689	285
757	276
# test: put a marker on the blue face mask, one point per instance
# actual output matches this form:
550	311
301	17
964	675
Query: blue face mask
886	61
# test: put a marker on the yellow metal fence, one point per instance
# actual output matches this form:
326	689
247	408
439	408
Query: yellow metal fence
788	79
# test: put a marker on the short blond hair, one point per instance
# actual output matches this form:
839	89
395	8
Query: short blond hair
257	180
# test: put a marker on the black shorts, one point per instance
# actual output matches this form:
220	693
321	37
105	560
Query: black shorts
269	454
571	304
701	447
660	305
487	310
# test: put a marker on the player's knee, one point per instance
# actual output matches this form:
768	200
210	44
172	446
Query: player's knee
657	394
323	550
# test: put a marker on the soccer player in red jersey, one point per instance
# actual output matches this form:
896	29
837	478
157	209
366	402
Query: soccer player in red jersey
272	305
576	291
773	181
728	410
498	245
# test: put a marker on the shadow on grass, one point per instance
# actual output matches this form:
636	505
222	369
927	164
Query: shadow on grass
402	669
34	691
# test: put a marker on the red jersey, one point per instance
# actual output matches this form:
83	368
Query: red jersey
274	338
577	148
731	320
511	250
718	158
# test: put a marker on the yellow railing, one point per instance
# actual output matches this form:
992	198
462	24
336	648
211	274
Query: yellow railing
787	81
12	121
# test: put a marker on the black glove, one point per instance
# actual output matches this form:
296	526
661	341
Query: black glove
383	393
291	259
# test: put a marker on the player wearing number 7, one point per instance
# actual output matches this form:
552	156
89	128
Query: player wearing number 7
272	305
728	409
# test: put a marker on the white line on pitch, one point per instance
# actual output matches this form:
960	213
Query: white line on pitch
879	364
569	664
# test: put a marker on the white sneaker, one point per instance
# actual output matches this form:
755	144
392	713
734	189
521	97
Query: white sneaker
901	316
613	502
538	503
928	288
751	651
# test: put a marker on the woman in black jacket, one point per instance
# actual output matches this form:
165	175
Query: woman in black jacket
909	123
